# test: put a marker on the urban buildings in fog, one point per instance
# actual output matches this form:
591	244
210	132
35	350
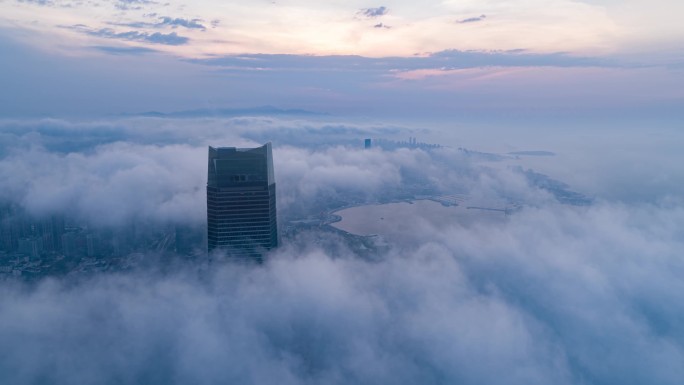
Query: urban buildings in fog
241	201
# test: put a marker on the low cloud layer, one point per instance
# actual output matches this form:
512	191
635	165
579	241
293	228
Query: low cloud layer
109	172
552	293
112	172
560	295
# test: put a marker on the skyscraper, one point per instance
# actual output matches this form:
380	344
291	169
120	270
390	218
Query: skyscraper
241	201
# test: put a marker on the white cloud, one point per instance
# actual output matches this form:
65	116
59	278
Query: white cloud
555	295
550	294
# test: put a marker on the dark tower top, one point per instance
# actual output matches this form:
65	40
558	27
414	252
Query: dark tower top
233	167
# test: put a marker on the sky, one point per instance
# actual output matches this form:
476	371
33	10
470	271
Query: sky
530	58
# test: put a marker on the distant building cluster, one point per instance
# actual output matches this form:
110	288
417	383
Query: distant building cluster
21	234
26	242
34	246
412	142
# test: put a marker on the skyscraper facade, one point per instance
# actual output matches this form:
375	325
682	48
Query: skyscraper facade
241	201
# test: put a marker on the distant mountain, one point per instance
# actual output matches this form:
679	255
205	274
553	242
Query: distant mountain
227	112
532	153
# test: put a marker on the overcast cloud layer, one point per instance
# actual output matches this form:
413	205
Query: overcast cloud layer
551	294
112	171
555	295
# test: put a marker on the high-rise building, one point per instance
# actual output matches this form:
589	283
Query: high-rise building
241	201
